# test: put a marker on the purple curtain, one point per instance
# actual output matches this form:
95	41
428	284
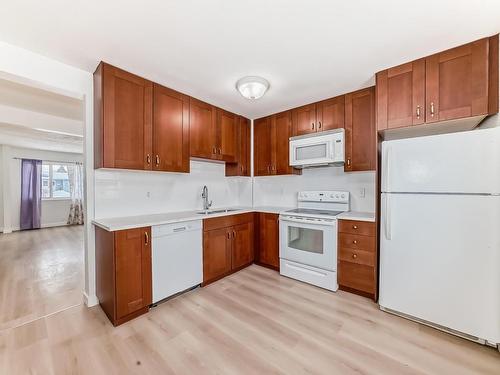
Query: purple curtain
31	193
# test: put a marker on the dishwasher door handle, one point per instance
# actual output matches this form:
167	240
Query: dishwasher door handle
179	229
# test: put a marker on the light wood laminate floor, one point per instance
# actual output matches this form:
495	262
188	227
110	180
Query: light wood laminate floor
252	322
41	272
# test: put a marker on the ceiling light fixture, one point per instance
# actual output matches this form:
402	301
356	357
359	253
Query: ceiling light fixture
252	87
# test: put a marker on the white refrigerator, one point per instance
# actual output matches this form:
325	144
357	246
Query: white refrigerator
440	232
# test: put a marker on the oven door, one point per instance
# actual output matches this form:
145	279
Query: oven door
309	241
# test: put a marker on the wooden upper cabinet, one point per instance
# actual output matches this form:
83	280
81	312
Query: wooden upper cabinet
360	133
202	129
262	146
461	82
401	95
281	133
330	114
227	136
457	82
170	130
133	270
242	165
304	119
122	119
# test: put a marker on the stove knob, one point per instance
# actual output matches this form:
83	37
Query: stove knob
332	195
343	196
337	196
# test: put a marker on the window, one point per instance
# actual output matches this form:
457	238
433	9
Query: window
55	180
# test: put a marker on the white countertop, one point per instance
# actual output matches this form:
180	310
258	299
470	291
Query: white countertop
128	222
357	215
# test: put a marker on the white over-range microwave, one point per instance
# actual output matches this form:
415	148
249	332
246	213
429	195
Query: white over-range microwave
319	149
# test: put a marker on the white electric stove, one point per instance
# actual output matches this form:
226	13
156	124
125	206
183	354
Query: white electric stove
308	237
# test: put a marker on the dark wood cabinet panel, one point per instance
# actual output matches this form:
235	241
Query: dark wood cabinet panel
170	130
226	135
357	277
202	130
262	146
242	165
216	254
360	133
243	251
123	272
268	251
400	95
457	82
304	119
282	128
123	120
330	113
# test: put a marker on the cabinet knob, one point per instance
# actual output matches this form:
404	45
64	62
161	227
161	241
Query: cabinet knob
418	111
354	256
354	227
355	242
432	109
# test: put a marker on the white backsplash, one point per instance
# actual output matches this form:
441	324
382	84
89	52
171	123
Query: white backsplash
127	193
282	190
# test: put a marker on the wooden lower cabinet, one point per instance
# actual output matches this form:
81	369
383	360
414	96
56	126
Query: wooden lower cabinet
123	272
227	245
267	251
357	257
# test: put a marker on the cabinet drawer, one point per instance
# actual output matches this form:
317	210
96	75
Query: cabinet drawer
357	256
227	221
355	241
357	276
365	228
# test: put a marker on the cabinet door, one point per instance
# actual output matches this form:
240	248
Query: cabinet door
202	130
330	113
244	147
269	240
242	236
127	120
304	119
170	130
457	82
360	133
133	270
282	128
400	95
226	133
216	253
262	146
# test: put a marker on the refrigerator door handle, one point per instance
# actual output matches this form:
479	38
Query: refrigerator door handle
387	221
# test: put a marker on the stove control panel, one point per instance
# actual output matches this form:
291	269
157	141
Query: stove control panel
324	196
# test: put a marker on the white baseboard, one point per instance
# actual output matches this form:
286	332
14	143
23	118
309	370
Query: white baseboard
90	301
44	225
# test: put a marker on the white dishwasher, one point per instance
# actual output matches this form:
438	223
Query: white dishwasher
177	258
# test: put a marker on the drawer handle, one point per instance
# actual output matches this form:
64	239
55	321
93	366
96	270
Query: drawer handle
180	229
214	150
234	234
148	159
157	160
228	235
146	238
354	256
354	227
354	242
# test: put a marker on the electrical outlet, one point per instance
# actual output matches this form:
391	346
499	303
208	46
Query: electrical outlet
148	194
362	192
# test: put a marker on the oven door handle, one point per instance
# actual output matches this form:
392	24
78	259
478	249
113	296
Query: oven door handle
305	221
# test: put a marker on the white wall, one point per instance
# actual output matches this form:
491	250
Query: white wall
53	75
282	190
1	188
54	212
126	193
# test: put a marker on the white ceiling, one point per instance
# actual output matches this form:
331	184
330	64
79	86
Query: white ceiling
308	50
